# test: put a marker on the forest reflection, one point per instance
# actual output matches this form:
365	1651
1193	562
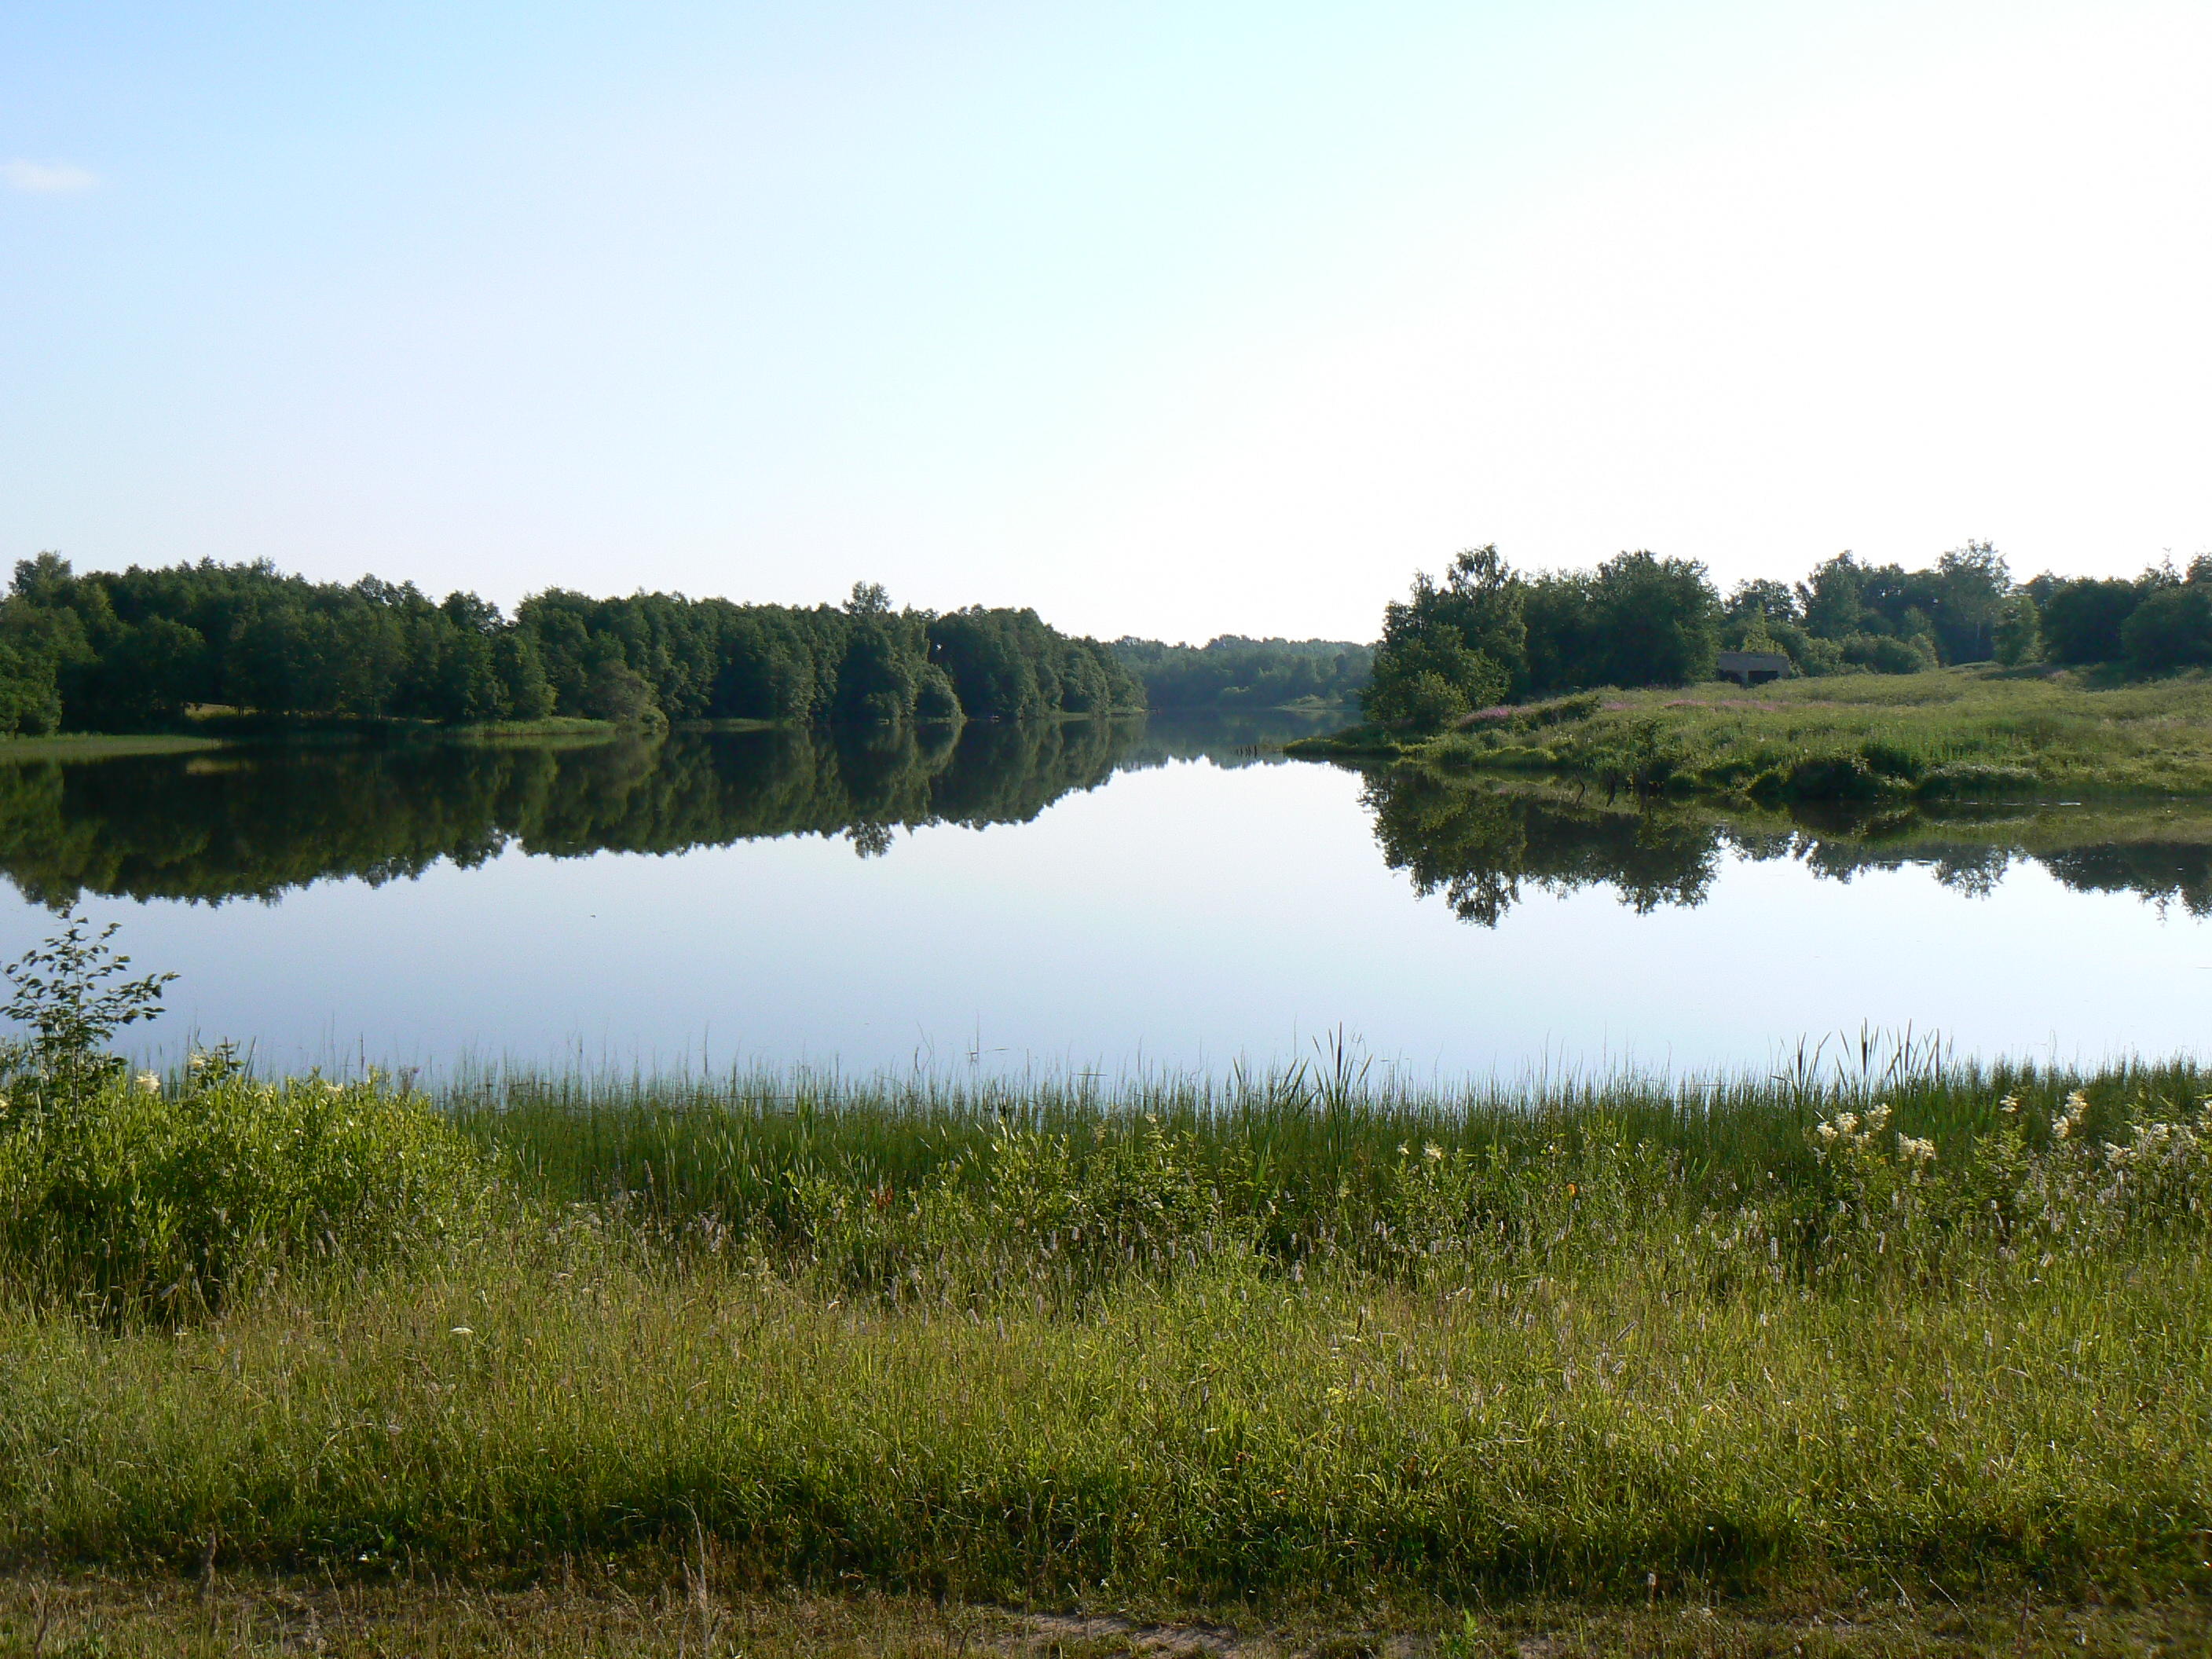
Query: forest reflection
256	821
1485	849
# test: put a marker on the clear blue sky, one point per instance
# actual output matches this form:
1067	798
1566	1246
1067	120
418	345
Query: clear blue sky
1165	319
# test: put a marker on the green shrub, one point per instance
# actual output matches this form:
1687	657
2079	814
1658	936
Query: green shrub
1832	777
1886	654
1893	760
123	1195
2172	629
134	1197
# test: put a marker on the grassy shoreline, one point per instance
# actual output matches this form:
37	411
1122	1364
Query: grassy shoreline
1291	1340
94	746
1947	734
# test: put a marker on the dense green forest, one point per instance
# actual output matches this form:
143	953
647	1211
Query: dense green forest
1487	633
133	651
1233	672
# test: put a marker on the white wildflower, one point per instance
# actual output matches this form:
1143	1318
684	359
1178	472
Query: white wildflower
148	1084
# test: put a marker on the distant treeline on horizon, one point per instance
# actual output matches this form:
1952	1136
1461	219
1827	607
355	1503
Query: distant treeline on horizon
1231	672
135	650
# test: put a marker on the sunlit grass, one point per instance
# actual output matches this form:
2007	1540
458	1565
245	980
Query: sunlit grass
1948	733
1297	1334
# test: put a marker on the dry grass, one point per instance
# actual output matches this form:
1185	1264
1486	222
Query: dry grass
676	1614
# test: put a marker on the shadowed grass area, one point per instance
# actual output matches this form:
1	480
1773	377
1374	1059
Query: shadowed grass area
687	1606
1946	734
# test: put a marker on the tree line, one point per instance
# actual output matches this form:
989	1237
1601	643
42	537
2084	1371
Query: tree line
135	650
1233	672
1486	632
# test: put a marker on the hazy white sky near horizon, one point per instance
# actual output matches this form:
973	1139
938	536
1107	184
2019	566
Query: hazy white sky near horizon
1165	319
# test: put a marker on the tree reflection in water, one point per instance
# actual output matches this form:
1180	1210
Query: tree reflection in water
256	822
1485	848
259	821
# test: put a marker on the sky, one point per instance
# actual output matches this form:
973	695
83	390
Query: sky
1170	320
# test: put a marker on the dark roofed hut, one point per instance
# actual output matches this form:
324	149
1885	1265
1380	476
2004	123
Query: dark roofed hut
1752	667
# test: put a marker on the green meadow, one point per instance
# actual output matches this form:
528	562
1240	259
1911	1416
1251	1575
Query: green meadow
1945	734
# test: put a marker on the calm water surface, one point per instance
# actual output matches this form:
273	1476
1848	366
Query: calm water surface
1085	895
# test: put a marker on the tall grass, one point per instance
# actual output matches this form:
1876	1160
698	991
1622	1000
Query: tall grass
1309	1140
1944	734
1180	1341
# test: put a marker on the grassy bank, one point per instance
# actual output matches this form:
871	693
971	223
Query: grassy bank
1290	1340
1947	734
247	724
95	745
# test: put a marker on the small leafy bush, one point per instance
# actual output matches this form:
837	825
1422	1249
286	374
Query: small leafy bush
1887	655
1823	777
126	1196
1893	760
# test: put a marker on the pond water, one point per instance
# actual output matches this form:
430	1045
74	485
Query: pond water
1108	895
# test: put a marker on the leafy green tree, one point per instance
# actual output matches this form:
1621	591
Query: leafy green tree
1658	620
2170	628
880	676
619	693
30	703
1769	601
1832	599
2083	620
991	661
1972	586
1431	680
524	690
1452	645
2018	636
146	675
